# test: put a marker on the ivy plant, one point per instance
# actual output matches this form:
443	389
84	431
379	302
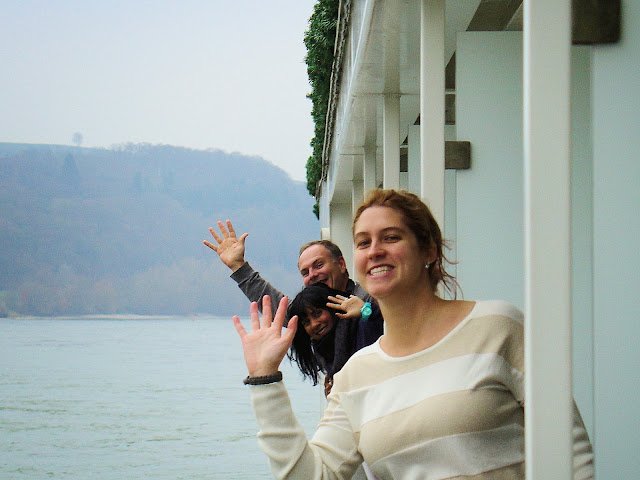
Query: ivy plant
319	40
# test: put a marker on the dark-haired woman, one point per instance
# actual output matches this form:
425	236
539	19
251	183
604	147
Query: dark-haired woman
333	330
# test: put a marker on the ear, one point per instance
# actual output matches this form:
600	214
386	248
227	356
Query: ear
430	255
343	264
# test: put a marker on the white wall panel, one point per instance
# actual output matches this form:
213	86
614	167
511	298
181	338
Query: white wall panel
489	195
616	203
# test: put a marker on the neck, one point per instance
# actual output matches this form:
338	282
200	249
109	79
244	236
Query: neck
413	321
343	284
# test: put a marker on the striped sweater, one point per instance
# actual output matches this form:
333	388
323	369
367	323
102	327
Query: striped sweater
452	411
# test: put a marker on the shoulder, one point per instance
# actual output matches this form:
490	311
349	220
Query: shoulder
358	291
364	356
373	348
361	367
497	308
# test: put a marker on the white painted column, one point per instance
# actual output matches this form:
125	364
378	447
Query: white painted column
432	106
391	141
341	231
546	82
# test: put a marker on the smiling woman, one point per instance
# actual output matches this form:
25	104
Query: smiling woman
444	385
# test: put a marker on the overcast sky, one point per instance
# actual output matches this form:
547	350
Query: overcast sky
202	74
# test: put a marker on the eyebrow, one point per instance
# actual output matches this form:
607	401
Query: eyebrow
383	231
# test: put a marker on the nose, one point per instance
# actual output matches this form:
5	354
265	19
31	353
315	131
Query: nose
313	276
314	323
375	249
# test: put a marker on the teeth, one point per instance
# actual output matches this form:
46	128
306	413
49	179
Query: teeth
379	270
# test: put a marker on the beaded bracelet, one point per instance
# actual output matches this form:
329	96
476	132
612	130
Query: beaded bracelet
276	377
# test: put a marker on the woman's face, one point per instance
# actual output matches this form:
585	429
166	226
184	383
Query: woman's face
387	258
320	322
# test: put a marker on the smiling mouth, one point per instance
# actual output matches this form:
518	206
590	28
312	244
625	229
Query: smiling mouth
381	270
321	331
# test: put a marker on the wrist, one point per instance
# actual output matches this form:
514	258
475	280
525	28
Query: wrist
366	311
263	379
235	266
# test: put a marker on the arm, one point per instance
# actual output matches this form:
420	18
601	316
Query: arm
231	250
255	287
360	292
332	454
582	449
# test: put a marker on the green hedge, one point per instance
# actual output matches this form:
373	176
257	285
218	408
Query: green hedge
319	40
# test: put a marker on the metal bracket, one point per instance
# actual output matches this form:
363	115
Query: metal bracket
595	21
457	155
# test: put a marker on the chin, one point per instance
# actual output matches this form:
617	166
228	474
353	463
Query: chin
376	292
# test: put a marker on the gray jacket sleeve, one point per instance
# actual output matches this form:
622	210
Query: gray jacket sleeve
361	293
255	287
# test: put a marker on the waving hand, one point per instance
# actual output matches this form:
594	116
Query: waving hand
229	247
267	344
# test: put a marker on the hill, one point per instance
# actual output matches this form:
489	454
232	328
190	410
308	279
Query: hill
108	231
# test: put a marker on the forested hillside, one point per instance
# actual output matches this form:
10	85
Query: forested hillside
120	230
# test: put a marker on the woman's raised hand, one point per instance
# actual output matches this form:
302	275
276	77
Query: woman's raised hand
267	344
350	306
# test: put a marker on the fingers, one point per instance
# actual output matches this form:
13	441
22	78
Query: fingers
267	313
281	312
338	302
232	232
215	235
339	299
239	328
335	306
255	317
210	245
290	331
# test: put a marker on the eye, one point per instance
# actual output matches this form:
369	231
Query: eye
392	238
362	243
316	313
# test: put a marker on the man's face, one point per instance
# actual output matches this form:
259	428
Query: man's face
316	265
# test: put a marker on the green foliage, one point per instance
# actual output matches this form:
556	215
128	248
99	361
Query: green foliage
319	40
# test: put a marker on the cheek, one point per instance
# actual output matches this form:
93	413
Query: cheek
305	281
307	328
360	262
330	322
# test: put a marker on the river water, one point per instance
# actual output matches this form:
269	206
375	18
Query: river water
132	399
